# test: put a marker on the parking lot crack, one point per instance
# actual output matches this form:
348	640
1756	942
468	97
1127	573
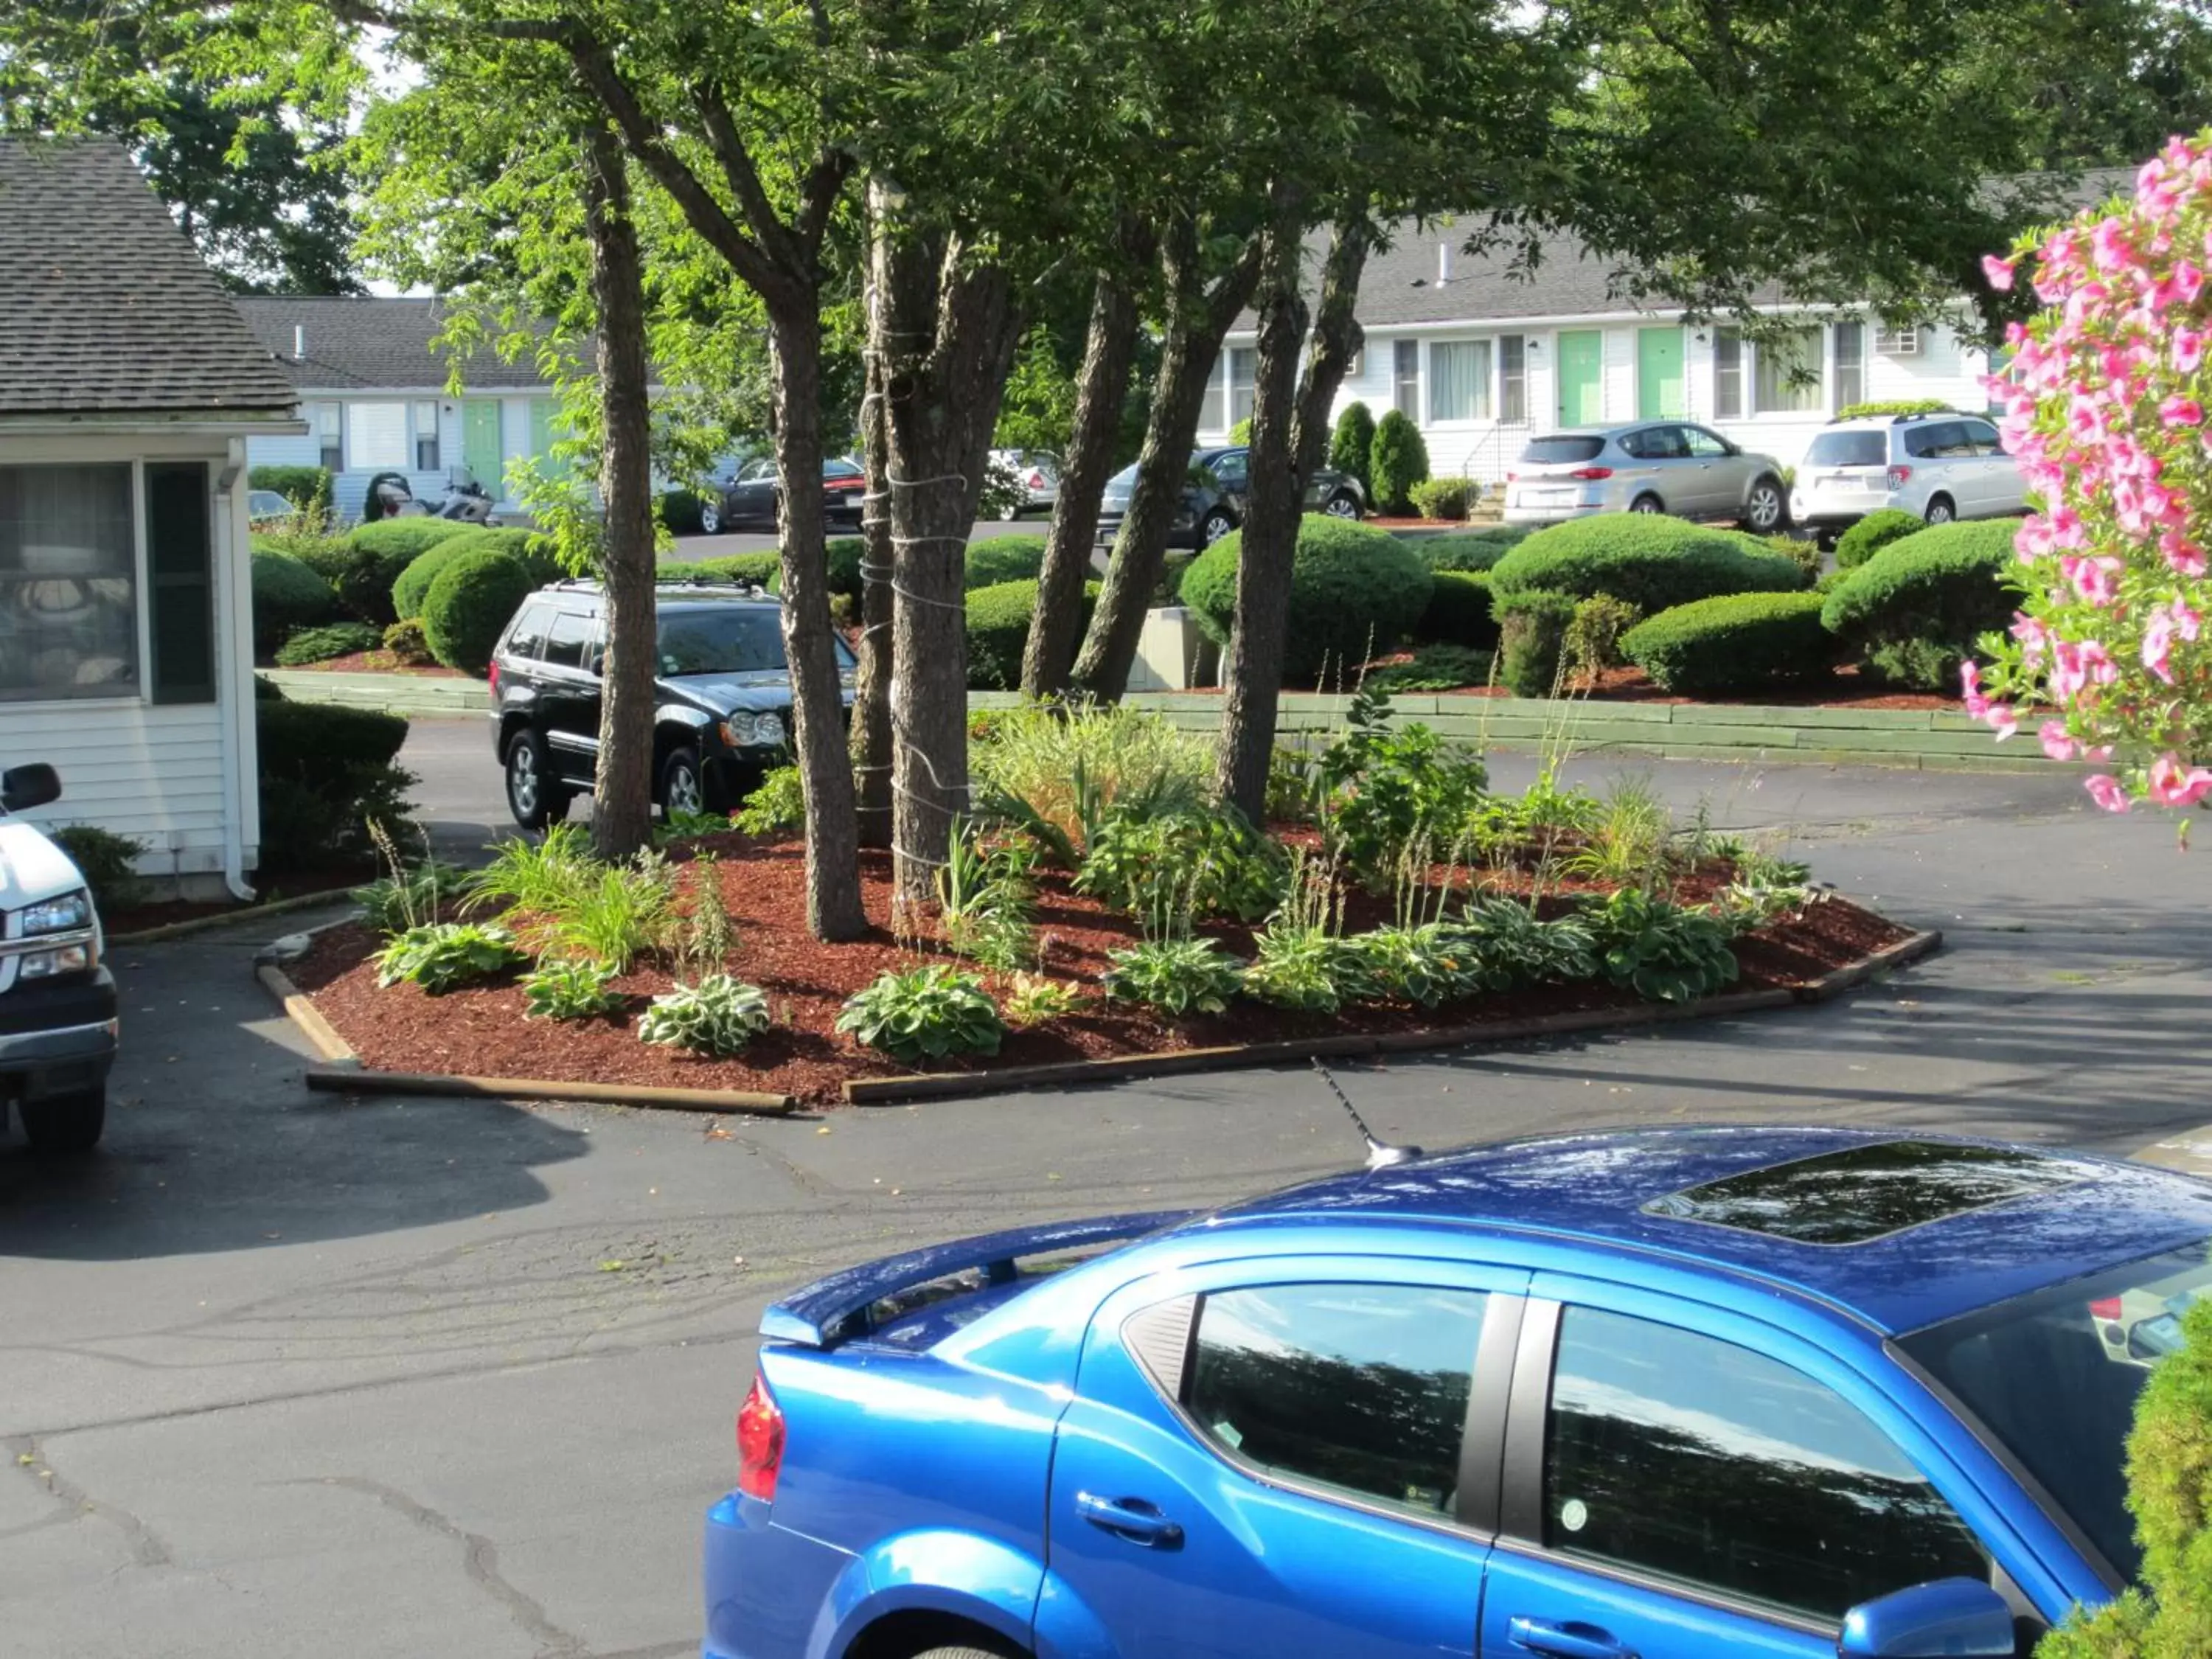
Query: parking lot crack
479	1560
147	1547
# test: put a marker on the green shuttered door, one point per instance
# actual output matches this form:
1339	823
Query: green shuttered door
1582	377
1659	384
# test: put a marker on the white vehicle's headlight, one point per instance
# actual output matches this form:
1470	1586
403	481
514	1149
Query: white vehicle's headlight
64	914
69	959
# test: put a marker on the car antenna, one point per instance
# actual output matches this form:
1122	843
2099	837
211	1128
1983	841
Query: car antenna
1381	1154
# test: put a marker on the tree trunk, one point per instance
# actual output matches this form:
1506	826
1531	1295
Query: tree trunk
834	910
943	330
871	687
1108	351
1196	322
1337	337
621	788
1254	675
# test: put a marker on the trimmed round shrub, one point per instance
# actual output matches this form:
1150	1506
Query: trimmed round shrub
370	560
470	604
533	551
1733	642
1653	561
1442	498
998	631
1532	635
321	644
1351	444
1470	550
1912	612
1873	533
287	596
1396	462
1004	559
1355	592
1459	611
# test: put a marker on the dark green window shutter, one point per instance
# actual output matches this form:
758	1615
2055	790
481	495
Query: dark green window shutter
180	563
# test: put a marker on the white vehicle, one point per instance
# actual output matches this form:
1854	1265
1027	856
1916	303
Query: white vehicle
57	1022
1937	467
1035	472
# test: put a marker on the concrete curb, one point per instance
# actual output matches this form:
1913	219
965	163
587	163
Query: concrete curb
229	918
928	1085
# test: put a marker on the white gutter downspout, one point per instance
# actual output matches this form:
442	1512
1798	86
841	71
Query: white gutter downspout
229	531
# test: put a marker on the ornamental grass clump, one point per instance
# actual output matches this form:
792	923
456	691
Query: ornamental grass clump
1055	771
2104	408
720	1015
926	1013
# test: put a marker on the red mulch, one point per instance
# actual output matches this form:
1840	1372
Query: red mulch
482	1031
376	662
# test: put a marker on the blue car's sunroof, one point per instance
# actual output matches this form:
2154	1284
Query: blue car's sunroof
1868	1192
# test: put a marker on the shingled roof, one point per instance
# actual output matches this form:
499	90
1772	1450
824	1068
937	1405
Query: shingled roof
107	307
373	344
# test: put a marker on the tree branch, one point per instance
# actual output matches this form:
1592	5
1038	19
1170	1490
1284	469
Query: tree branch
736	160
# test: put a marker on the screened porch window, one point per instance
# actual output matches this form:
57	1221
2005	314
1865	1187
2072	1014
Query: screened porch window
69	584
1459	380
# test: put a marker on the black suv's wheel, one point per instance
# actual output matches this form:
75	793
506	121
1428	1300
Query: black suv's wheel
1342	505
682	786
1766	509
534	795
1218	523
65	1123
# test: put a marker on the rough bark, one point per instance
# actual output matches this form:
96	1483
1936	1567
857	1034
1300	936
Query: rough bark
871	686
1108	348
622	789
1253	676
1198	318
1337	337
943	330
833	861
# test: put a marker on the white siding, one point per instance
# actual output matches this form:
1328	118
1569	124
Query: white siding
1620	371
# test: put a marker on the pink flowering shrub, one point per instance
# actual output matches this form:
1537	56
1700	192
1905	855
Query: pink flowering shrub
2111	657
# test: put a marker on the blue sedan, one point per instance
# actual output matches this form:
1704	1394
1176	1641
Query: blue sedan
1655	1396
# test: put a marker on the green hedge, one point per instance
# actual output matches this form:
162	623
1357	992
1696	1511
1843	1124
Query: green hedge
1397	460
325	771
1734	642
364	565
303	486
310	644
1532	634
1355	592
761	569
1873	533
680	510
998	631
1653	561
1458	610
1912	612
999	559
287	596
1470	550
474	596
412	588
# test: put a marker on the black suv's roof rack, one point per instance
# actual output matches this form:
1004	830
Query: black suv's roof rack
687	584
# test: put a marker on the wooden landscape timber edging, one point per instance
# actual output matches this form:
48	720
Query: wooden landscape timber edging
937	1085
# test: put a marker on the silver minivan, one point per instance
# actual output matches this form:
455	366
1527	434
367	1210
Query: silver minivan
1652	466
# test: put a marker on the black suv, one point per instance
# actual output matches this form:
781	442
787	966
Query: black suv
724	697
1213	499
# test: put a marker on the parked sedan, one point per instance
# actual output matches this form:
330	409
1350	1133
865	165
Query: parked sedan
752	501
1678	1393
1653	466
267	506
1035	473
1213	500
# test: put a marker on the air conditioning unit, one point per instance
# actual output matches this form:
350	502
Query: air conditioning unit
1897	342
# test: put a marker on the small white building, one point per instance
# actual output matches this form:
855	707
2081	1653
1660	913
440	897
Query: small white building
371	383
1482	358
130	388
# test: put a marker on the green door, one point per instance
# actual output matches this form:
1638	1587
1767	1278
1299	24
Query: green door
481	440
1582	377
1659	383
543	424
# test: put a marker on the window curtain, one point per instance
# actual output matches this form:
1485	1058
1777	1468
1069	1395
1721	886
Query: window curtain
1459	380
1787	373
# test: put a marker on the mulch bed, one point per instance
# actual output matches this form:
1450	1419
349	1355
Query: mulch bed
1844	688
375	662
481	1030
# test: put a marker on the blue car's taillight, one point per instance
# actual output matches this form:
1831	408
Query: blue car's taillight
760	1442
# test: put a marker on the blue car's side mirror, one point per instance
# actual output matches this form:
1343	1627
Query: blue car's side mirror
1947	1616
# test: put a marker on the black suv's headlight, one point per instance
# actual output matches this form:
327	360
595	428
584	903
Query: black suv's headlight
762	730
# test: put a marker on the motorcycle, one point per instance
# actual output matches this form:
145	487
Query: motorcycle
390	496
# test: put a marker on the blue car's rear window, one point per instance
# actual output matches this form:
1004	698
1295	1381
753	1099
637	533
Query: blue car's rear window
1868	1192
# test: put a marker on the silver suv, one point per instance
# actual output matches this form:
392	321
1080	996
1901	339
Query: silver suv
1937	467
1653	466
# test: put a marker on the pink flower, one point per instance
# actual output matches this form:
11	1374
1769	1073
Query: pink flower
2188	350
2095	580
2187	282
2056	743
2158	645
2106	793
2179	411
2174	785
2186	622
2182	555
1999	271
2001	718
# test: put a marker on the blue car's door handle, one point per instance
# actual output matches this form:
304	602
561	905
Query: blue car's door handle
1129	1517
1573	1641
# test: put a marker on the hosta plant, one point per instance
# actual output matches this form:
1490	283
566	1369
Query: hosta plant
447	954
720	1015
1513	946
1424	962
1033	999
1178	976
1301	959
1660	951
925	1013
569	989
1214	863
